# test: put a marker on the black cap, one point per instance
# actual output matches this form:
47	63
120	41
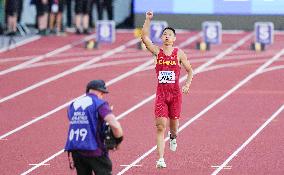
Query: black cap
97	85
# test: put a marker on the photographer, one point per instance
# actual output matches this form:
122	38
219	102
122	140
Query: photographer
89	118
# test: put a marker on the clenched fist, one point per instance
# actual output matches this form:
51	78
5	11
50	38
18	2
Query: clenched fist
149	15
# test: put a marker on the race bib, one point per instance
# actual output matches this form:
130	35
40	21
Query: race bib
166	77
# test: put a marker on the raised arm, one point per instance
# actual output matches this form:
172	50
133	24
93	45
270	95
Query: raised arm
145	35
184	61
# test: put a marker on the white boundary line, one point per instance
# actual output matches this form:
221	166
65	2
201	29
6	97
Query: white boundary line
20	43
273	68
135	70
87	54
46	55
69	71
51	63
274	115
241	83
229	50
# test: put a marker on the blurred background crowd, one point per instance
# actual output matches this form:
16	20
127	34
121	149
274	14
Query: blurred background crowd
51	17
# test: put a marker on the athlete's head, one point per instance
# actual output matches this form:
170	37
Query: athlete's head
168	36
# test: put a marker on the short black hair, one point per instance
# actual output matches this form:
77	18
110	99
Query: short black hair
170	28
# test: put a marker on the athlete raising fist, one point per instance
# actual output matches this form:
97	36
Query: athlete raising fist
169	60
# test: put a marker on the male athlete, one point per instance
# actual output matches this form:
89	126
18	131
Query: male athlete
168	61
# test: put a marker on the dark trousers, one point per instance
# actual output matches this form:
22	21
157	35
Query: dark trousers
69	13
86	165
105	4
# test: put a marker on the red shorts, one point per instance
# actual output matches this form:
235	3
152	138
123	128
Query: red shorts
168	105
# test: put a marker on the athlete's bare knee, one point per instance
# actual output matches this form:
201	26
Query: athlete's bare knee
160	128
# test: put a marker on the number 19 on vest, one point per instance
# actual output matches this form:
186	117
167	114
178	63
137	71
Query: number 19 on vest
264	32
156	29
105	31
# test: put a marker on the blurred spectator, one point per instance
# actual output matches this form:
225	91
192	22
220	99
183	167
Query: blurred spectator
42	16
55	18
91	22
20	9
82	11
69	12
11	10
105	4
1	17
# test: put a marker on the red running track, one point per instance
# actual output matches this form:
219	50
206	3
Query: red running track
207	142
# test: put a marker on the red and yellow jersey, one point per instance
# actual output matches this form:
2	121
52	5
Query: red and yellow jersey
168	70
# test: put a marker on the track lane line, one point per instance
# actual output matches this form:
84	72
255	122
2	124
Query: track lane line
70	71
148	99
20	43
46	55
271	118
217	101
51	63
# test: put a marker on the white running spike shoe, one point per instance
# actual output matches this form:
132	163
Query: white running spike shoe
161	163
173	143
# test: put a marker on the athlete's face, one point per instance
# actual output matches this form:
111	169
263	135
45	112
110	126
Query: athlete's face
168	37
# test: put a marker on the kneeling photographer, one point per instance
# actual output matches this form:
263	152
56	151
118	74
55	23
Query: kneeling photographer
93	131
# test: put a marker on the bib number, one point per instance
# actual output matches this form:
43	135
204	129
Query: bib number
78	134
166	77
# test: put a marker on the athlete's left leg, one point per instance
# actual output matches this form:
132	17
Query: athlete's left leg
174	115
174	124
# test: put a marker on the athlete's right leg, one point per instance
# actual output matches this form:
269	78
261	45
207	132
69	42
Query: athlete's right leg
161	123
174	115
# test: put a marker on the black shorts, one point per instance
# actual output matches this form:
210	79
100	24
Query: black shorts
86	165
83	6
12	7
41	8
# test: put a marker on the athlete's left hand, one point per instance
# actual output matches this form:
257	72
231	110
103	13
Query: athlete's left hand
185	89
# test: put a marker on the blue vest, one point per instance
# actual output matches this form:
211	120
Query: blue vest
83	123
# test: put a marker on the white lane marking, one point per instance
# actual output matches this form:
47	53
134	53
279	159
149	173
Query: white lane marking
71	55
43	162
134	165
47	55
20	43
273	68
219	66
108	63
241	83
225	167
137	69
224	53
69	71
249	140
190	40
33	164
